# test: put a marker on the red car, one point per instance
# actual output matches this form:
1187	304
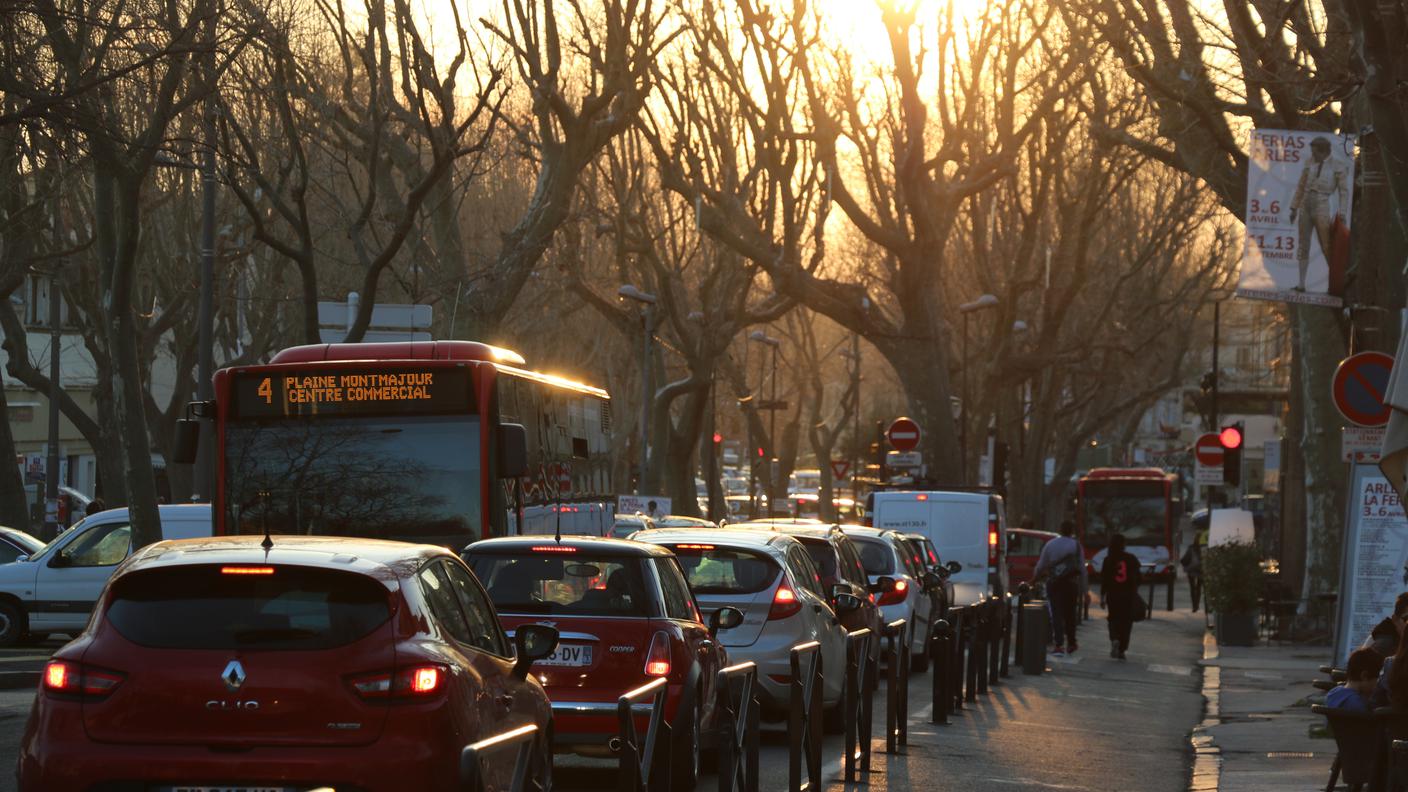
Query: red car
1023	549
626	616
346	663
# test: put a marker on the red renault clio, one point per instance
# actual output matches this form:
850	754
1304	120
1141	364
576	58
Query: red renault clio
215	664
625	616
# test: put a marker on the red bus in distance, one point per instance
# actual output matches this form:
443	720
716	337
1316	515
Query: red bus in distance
409	441
1137	502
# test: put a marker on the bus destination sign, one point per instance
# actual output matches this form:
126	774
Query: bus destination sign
266	394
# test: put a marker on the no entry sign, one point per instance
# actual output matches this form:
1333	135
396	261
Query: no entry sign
1359	386
903	434
1208	450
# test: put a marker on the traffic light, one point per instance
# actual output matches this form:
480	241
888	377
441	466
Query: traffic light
1231	439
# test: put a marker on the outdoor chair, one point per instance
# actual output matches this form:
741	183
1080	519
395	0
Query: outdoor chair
1357	738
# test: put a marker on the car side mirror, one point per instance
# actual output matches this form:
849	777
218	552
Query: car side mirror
954	567
186	442
941	571
932	581
882	585
21	558
533	642
839	589
512	440
725	618
845	603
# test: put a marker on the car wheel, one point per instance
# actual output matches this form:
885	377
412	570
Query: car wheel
13	624
687	754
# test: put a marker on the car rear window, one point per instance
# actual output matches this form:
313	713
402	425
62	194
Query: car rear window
823	555
290	608
876	556
726	570
566	583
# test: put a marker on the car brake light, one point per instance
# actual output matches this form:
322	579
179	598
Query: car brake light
992	543
921	497
247	570
554	549
657	660
694	547
895	595
61	676
784	603
413	682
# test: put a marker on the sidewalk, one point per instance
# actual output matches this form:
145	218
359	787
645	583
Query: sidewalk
1256	735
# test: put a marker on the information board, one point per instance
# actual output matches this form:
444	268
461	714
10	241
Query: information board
1374	569
352	391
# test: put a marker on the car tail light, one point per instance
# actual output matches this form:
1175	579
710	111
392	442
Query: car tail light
784	603
403	683
895	595
75	679
246	570
553	549
992	543
657	660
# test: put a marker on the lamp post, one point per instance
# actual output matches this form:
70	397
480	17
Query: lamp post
763	338
647	301
984	302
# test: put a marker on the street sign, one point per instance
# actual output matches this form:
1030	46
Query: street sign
1362	443
904	459
1208	450
840	468
1359	385
903	434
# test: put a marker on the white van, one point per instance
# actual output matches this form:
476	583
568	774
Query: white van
54	590
967	527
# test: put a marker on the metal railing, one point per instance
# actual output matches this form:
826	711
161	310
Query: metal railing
804	720
524	738
645	767
859	703
738	739
897	686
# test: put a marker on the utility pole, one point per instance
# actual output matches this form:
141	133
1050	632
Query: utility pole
647	301
204	485
855	418
51	465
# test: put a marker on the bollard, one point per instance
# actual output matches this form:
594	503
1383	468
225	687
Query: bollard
984	641
804	719
941	653
975	639
1022	593
955	660
1035	628
644	762
738	738
858	703
1006	636
897	687
999	619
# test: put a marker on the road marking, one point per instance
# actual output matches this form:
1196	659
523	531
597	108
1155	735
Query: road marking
1032	782
1063	659
25	659
1181	670
1263	675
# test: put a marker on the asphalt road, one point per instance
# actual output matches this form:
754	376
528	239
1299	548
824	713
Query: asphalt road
1089	723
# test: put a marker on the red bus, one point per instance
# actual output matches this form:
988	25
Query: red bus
1136	502
441	442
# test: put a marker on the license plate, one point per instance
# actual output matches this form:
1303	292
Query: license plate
569	655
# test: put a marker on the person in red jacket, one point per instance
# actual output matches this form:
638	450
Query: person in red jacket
1119	594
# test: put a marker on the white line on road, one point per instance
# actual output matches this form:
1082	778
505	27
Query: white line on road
1181	670
1263	675
25	659
1032	782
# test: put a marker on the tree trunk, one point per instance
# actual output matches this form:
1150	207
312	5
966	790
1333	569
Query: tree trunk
1318	343
14	508
927	390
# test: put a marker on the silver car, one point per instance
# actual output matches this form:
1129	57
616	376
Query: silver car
772	580
885	554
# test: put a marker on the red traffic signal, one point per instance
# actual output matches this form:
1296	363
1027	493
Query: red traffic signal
1231	437
718	438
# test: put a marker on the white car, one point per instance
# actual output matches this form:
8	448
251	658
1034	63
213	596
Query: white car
770	578
626	524
912	597
54	590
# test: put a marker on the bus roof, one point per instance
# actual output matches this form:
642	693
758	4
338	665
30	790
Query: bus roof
1127	473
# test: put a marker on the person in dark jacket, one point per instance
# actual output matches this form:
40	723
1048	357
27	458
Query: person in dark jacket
1119	593
1192	562
1386	635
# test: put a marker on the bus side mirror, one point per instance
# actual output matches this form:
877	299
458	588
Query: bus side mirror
187	441
513	450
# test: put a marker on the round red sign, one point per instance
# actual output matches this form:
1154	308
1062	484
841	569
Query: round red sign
1208	450
903	434
1359	387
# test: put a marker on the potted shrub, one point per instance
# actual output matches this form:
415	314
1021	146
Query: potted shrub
1232	580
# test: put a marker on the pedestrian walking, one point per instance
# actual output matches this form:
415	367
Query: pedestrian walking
1062	566
1192	562
1119	594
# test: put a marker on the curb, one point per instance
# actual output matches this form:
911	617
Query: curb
1207	757
16	680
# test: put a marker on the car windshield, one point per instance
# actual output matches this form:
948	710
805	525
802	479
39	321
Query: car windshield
726	570
566	583
1137	509
410	479
31	545
876	556
289	608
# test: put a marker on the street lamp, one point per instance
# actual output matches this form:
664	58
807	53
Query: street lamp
647	301
982	303
763	338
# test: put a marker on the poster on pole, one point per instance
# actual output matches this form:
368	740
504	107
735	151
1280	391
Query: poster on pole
1374	567
1300	188
653	506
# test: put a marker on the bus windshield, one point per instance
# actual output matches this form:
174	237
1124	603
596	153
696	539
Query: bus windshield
1137	509
382	477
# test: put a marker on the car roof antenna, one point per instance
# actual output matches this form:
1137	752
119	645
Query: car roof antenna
268	543
557	532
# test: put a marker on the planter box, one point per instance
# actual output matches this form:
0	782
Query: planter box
1238	628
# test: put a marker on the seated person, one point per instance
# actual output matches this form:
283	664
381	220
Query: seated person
1386	634
1361	677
